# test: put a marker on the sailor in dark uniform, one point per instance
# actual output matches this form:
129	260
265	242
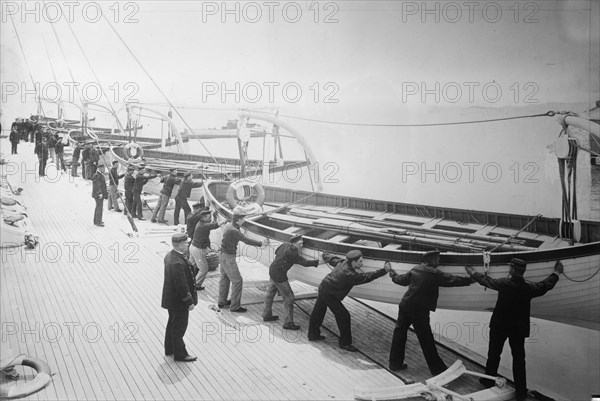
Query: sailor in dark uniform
181	199
128	183
140	180
41	149
423	283
14	137
286	256
178	297
75	159
333	289
99	193
510	319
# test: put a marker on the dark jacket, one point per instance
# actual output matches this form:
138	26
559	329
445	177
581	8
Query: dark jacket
201	238
75	157
59	147
185	189
41	150
51	142
514	300
423	285
169	182
128	182
94	155
140	181
232	236
85	154
99	185
114	176
343	277
191	223
178	287
287	256
14	135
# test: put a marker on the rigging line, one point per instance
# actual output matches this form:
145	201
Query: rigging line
50	60
96	77
547	114
27	64
156	85
62	51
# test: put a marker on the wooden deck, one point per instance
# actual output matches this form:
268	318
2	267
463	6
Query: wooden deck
87	301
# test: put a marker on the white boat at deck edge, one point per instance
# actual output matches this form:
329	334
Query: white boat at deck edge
572	302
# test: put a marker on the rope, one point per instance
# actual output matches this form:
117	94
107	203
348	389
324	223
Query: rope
547	114
26	63
584	280
156	85
515	235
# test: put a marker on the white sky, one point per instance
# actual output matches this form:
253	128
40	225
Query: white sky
372	54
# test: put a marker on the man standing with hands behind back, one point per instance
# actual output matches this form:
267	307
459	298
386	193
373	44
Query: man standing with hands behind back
511	318
178	297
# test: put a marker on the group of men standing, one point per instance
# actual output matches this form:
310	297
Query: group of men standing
133	185
48	145
510	319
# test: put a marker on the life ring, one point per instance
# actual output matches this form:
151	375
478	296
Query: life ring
139	152
23	389
240	191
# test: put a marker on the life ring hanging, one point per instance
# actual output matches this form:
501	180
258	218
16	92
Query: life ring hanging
23	389
134	154
240	191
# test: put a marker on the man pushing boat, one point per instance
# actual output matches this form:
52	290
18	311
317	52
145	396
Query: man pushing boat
423	281
334	288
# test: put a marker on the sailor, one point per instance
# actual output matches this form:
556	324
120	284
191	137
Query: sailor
178	297
85	161
94	159
75	159
230	273
99	193
510	318
423	283
165	194
14	137
193	219
333	289
286	256
51	146
201	245
128	183
181	199
113	185
59	149
140	180
41	149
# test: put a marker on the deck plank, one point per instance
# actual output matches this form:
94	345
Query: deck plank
240	357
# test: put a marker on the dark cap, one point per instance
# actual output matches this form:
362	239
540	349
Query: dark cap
238	214
178	238
205	213
141	167
296	238
115	162
188	174
353	255
198	205
430	254
518	264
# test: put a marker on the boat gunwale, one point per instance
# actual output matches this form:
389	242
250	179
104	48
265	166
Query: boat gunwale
401	255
